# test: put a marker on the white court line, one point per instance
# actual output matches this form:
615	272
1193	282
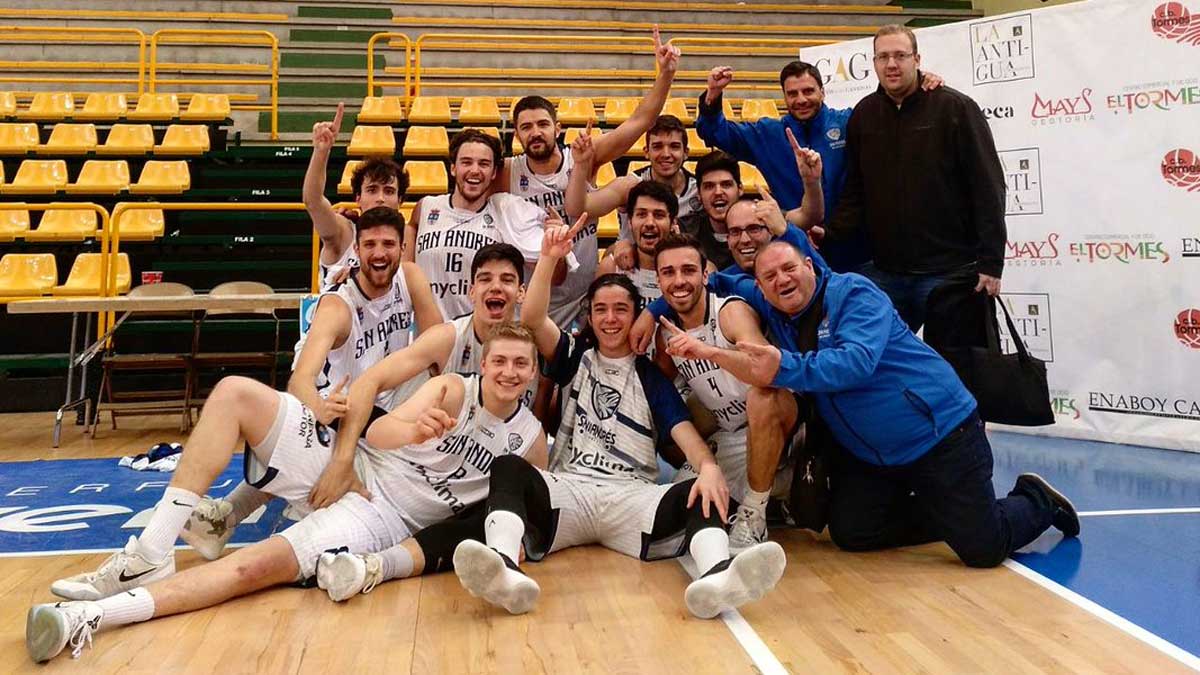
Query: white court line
82	551
1179	654
1140	512
743	632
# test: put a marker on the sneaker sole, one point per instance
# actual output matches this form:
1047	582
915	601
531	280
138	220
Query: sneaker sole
206	546
44	633
748	578
73	592
481	572
1059	498
341	579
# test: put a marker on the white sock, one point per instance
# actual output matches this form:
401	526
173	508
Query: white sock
504	530
755	500
170	515
245	500
128	607
397	563
709	547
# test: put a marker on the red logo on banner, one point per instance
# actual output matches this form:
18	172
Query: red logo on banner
1173	21
1187	327
1181	168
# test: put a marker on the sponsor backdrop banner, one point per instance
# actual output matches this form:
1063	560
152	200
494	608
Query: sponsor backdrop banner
1095	108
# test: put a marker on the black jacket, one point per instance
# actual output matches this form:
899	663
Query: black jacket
698	224
926	183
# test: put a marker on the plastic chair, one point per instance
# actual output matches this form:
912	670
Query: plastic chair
142	224
155	108
517	148
38	177
429	110
571	134
18	138
609	226
70	139
8	104
427	142
479	110
184	139
103	107
381	110
368	140
696	145
406	210
86	274
65	225
426	177
207	108
49	106
617	109
754	109
727	108
605	175
344	187
636	166
101	177
752	178
162	178
262	359
678	107
13	223
690	167
128	140
27	274
576	110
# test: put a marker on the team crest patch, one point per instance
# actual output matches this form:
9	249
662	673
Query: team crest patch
360	313
834	134
488	219
524	182
823	328
514	442
434	214
605	400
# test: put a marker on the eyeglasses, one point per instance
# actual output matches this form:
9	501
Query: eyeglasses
749	231
900	57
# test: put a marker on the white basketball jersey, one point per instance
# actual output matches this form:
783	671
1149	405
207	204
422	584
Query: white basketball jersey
718	390
646	282
689	199
549	191
467	355
328	272
448	239
434	480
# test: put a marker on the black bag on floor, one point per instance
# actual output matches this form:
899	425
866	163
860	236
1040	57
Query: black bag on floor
812	459
1010	388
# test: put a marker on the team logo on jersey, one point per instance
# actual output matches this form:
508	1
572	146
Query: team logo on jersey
834	134
524	182
488	219
605	400
434	214
514	442
359	310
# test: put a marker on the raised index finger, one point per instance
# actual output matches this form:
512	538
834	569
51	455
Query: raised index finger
792	139
583	219
657	39
337	117
670	326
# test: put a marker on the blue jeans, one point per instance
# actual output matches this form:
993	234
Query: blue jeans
946	495
907	291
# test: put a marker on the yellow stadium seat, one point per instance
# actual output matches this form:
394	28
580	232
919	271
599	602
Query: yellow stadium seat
727	108
479	110
406	210
678	107
427	142
517	148
184	139
617	109
372	141
752	178
86	274
101	177
142	224
344	187
70	139
18	138
605	175
572	134
13	223
27	274
128	140
8	104
38	176
609	226
427	177
429	110
754	109
103	107
162	178
696	145
381	110
155	108
49	106
64	225
576	110
490	131
690	167
207	108
635	166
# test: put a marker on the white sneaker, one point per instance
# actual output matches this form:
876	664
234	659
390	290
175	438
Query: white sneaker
486	573
50	628
345	575
122	571
749	528
209	527
744	578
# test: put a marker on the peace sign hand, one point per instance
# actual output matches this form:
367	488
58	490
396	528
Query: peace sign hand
666	55
583	151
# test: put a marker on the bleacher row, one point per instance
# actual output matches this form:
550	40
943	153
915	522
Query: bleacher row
48	106
34	274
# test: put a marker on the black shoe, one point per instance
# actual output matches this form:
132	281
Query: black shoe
1066	519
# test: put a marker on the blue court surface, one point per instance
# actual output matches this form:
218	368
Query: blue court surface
1138	554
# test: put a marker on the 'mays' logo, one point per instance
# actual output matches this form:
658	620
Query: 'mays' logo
1173	21
1181	168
